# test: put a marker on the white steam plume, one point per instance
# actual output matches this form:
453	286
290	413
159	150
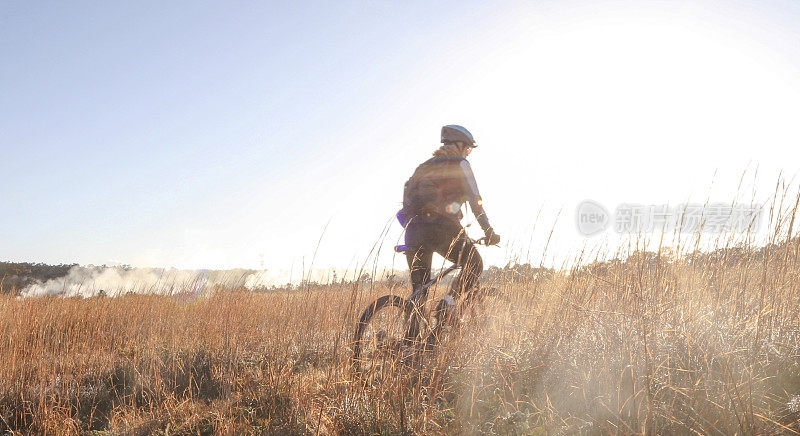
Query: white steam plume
112	281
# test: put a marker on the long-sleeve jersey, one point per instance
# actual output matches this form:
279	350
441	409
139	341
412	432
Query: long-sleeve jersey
441	185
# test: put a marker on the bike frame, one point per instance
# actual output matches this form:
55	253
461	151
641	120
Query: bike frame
424	288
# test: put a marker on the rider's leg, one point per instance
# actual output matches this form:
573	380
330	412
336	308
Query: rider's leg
463	252
419	255
419	266
452	242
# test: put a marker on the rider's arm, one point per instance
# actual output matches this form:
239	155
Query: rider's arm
473	196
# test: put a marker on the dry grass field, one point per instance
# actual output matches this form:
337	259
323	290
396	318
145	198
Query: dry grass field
658	342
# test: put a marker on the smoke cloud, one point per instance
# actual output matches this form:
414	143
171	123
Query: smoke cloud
90	281
112	281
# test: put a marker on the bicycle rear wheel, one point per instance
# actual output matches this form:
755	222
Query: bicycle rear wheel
380	343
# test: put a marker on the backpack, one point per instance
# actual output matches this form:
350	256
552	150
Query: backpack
425	190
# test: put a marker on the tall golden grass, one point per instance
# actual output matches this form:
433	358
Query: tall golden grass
664	341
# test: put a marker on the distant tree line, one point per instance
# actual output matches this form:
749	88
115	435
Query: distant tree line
15	277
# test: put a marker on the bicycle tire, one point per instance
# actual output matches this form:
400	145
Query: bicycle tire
368	316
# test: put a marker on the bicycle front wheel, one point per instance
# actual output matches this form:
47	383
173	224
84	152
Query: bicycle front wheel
380	343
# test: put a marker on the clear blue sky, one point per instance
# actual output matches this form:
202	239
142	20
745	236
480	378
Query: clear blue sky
206	134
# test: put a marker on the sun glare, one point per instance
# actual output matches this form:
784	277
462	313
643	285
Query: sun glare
625	108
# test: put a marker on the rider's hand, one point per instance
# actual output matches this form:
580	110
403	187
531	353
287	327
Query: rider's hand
492	238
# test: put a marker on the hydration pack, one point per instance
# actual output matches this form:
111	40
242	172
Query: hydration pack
431	187
422	193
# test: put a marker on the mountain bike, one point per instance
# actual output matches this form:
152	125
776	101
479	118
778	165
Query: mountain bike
394	330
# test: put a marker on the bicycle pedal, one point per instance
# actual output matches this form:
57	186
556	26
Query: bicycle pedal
449	301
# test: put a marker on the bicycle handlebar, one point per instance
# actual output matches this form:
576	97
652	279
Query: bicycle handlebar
481	241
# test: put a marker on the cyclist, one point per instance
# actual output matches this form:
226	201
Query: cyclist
431	214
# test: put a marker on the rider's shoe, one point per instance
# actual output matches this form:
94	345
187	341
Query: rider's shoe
446	317
445	310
